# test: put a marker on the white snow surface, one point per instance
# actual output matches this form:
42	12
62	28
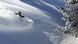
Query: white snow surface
9	21
14	22
69	40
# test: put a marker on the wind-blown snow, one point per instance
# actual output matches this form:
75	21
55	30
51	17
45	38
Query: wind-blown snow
52	37
35	18
9	21
20	5
50	5
25	7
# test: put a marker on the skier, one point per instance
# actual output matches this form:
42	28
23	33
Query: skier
19	13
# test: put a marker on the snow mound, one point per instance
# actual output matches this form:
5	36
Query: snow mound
69	40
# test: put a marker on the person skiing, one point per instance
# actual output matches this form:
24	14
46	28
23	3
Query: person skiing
19	13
